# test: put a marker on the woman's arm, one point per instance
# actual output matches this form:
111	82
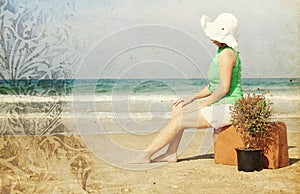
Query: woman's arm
227	60
201	94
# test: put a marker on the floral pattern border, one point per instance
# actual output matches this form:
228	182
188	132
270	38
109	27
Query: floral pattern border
39	51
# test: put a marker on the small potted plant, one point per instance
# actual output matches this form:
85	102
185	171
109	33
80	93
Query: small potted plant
251	116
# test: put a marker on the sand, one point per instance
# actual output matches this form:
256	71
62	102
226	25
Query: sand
64	164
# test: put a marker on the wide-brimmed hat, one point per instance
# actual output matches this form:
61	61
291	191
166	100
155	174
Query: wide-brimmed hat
223	29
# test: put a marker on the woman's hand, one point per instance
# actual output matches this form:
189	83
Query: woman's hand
184	101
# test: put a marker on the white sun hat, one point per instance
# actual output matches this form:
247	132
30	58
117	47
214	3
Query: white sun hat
223	29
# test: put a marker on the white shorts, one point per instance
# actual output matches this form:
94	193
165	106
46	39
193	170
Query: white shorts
217	115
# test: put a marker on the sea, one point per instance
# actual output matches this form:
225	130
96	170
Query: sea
140	106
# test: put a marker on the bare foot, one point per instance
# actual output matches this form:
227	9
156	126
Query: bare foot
166	157
139	158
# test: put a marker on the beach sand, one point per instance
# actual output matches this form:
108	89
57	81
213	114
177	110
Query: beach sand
64	164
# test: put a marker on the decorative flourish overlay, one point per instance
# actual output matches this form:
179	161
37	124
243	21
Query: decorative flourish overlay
38	51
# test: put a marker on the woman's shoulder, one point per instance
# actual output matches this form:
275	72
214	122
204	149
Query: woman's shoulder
227	54
227	50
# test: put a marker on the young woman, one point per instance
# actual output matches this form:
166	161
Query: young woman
222	92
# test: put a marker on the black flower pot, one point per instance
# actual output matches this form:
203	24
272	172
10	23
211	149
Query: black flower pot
248	159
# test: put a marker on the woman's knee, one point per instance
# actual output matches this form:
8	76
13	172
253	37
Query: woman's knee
176	121
176	111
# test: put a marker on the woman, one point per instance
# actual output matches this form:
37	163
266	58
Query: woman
223	90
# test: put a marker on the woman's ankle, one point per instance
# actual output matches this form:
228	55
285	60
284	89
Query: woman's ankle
166	157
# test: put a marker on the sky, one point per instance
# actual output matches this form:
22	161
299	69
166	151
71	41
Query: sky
120	44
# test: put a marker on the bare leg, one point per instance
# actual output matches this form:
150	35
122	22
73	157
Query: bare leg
181	120
161	140
171	153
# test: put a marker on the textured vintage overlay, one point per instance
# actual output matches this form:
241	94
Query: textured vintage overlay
41	40
45	164
36	43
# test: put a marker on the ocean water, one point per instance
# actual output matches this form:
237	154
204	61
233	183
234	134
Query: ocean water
135	105
138	86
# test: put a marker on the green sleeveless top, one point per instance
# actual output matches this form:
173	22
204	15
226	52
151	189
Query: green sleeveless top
235	91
